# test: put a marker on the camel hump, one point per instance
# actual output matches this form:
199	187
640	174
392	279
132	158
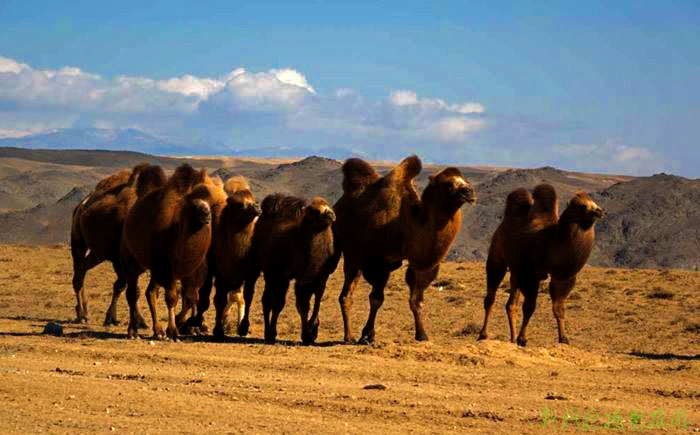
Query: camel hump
236	184
357	175
279	205
518	203
150	177
135	173
185	178
545	198
408	168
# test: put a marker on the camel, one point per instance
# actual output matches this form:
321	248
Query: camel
293	239
229	255
168	231
533	241
382	221
96	231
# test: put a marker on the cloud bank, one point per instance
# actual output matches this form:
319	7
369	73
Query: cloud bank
279	107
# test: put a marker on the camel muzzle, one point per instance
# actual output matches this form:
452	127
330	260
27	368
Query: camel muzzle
598	212
467	194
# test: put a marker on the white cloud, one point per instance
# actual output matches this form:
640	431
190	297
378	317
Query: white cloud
410	98
191	85
11	133
281	103
403	98
612	156
10	66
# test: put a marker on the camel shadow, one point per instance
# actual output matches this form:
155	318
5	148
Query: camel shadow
40	319
254	340
665	356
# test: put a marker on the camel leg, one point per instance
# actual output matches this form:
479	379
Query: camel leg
377	278
559	291
117	289
203	303
418	281
235	297
152	293
81	264
495	271
248	293
220	304
303	302
171	299
314	321
132	271
529	290
309	325
514	301
273	300
352	275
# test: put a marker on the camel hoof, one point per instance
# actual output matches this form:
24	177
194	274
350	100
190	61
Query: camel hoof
132	333
421	336
564	340
244	328
522	341
80	320
110	320
203	329
366	340
482	336
271	337
348	339
218	334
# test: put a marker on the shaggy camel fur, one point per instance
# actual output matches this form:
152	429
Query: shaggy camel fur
96	231
168	231
382	221
532	242
292	240
229	255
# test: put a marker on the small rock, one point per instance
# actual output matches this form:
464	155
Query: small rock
53	328
374	387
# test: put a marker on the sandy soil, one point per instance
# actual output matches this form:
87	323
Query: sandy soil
635	349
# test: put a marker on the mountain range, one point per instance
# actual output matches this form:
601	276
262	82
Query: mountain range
651	221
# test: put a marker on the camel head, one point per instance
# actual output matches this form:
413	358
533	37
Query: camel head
584	211
240	201
200	212
451	188
319	213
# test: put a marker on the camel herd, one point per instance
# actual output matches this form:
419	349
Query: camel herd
193	229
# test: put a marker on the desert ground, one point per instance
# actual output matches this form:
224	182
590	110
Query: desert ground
634	361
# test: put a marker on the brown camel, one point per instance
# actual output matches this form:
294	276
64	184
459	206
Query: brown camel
96	231
382	221
292	240
229	255
532	242
168	231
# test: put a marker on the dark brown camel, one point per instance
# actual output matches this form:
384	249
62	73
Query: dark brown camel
96	231
229	255
168	231
532	242
382	221
292	240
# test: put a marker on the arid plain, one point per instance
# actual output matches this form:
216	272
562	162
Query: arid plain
634	358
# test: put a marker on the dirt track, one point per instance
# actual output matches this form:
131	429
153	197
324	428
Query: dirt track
635	347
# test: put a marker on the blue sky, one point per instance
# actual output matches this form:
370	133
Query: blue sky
593	86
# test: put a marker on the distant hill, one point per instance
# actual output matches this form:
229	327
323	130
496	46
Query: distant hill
652	221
